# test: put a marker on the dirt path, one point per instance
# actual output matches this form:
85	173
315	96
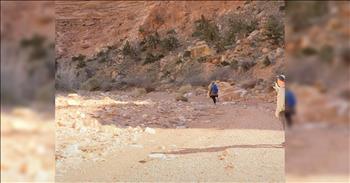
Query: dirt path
232	141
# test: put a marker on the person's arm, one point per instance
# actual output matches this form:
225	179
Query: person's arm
280	101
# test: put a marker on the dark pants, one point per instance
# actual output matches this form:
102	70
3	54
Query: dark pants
286	117
289	114
214	98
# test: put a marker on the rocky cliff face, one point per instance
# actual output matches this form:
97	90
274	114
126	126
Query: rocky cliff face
115	45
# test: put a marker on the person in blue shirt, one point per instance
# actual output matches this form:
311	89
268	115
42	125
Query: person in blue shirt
290	102
213	91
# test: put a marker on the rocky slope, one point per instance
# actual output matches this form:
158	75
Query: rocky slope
158	45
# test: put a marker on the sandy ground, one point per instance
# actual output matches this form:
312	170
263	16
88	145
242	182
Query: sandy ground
318	153
225	142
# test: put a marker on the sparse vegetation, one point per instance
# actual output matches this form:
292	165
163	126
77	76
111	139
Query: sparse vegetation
275	30
128	50
170	42
150	58
80	57
152	41
202	59
266	61
80	64
240	26
246	65
206	30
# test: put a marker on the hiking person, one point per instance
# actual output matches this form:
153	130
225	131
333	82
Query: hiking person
280	107
213	91
290	103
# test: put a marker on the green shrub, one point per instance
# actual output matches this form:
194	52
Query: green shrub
206	30
275	30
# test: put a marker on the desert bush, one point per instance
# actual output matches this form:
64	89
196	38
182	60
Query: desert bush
150	58
266	61
206	30
80	64
169	43
141	30
80	57
246	65
128	50
91	84
240	27
275	30
152	41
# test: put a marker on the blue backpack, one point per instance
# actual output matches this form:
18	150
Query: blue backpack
214	89
290	99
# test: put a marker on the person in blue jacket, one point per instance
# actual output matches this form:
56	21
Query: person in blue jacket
290	102
213	91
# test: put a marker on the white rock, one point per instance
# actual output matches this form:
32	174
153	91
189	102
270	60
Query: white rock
150	130
72	102
157	156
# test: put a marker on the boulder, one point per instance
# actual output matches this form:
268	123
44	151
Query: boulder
180	97
200	50
185	89
249	84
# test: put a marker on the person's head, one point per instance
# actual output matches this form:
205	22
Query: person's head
213	82
281	80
